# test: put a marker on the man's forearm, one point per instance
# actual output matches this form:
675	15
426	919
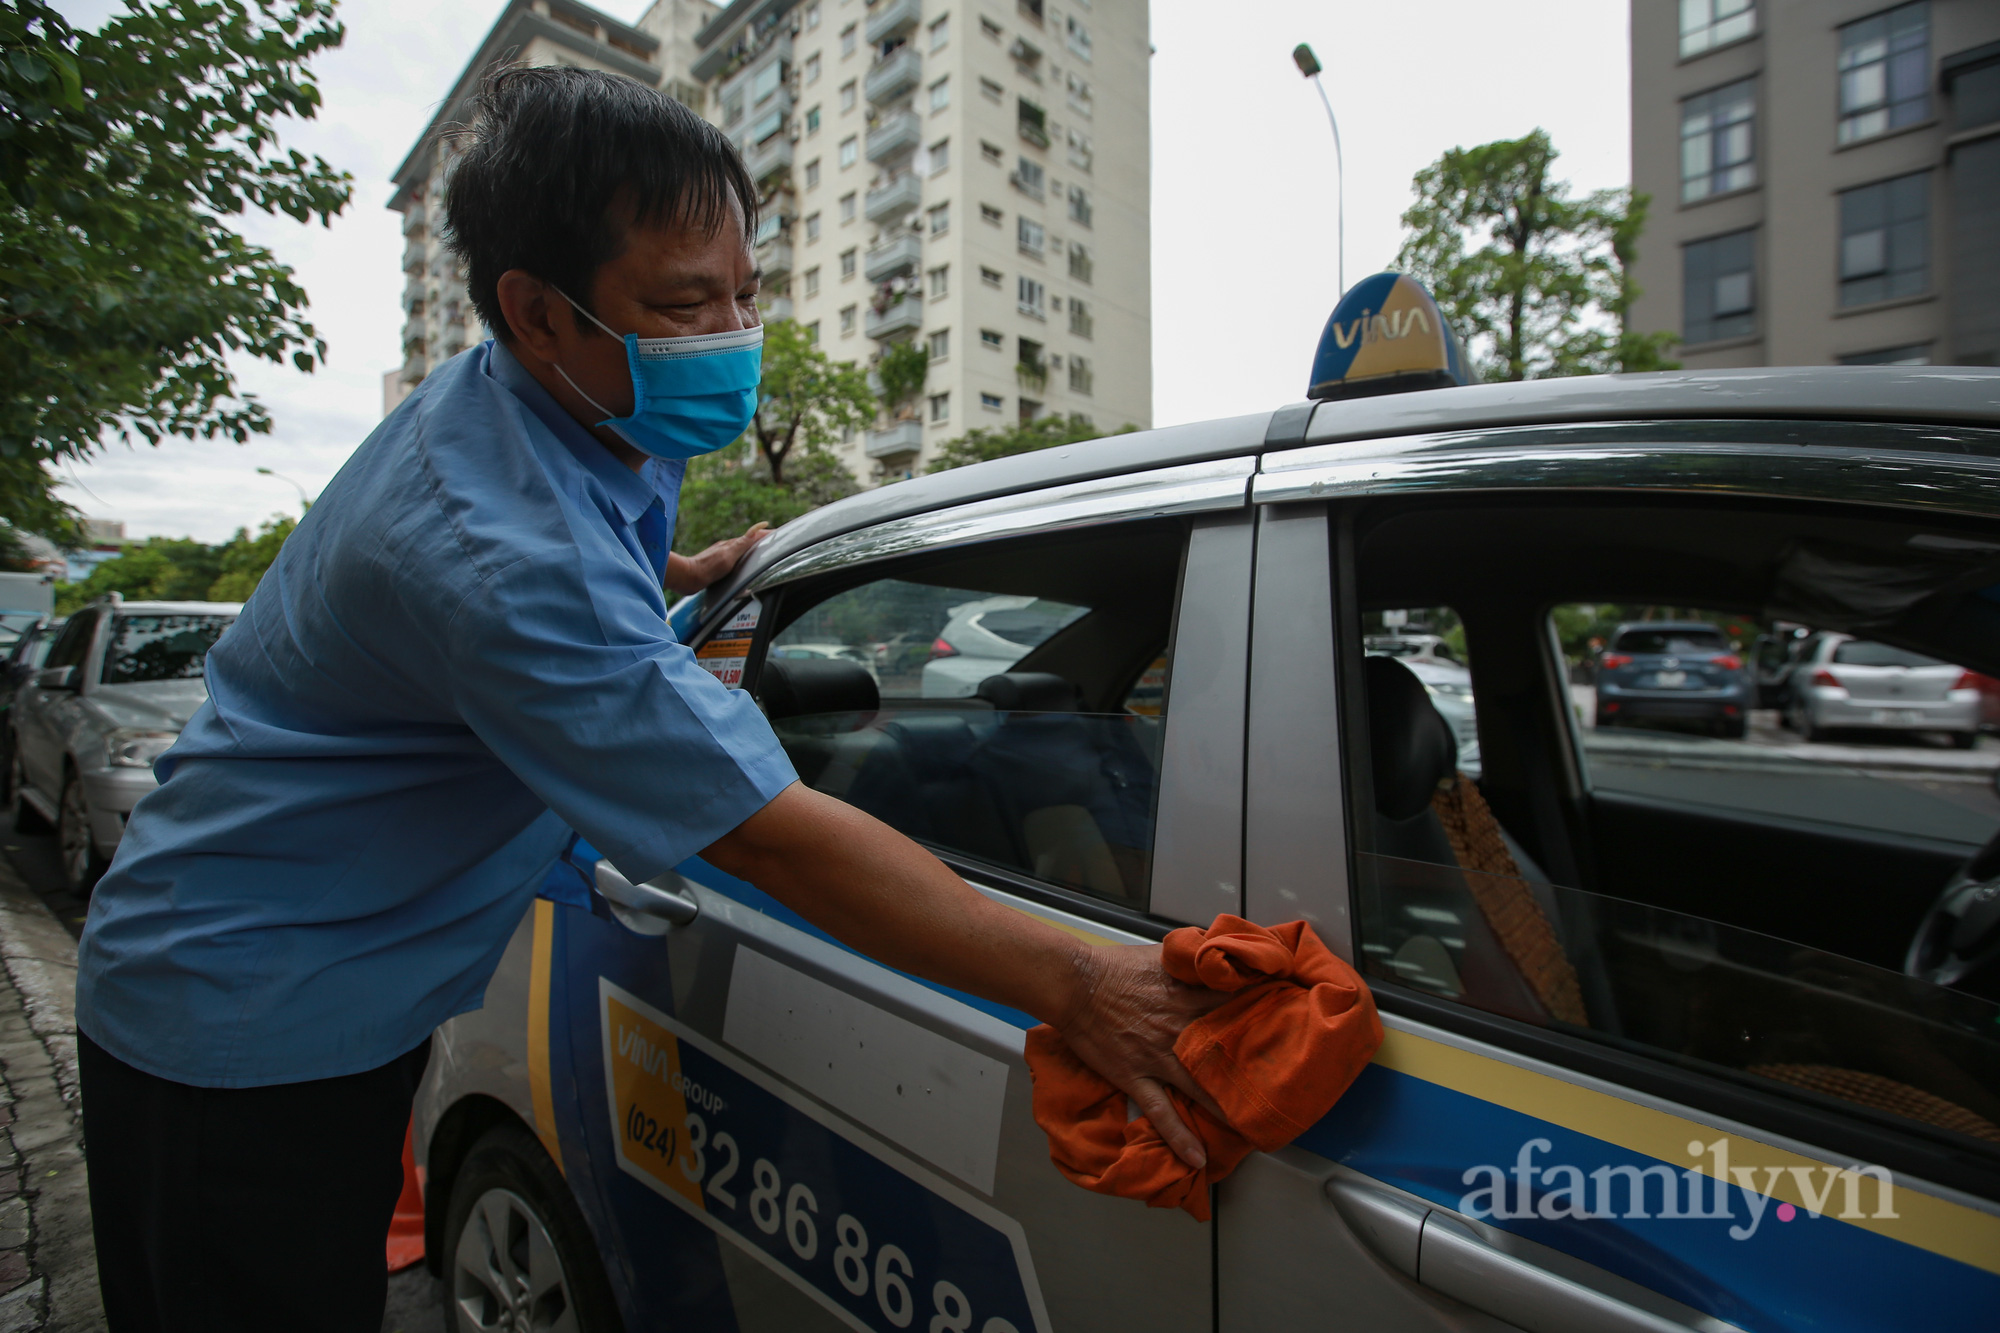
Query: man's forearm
869	886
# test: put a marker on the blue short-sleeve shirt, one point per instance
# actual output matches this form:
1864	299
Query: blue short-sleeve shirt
459	656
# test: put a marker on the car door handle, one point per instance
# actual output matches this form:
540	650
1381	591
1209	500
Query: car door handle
650	899
1452	1259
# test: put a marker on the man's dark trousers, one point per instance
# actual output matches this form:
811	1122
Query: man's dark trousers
218	1209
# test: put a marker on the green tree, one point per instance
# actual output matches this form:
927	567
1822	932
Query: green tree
902	369
243	560
807	400
979	446
730	489
123	290
1538	283
165	569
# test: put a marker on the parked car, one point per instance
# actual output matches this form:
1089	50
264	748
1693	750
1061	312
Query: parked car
1649	1001
1409	648
117	685
1678	673
1847	684
985	637
1449	686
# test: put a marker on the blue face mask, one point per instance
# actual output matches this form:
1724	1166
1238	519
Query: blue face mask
690	396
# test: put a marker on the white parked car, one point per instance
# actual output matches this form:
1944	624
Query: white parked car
1843	683
118	685
986	637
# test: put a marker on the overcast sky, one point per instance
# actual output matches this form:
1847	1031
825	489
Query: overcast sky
1243	203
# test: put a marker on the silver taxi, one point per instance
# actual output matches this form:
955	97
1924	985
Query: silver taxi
1683	1032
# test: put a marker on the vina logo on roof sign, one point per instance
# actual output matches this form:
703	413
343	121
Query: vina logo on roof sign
1387	336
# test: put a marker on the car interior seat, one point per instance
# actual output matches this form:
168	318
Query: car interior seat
822	710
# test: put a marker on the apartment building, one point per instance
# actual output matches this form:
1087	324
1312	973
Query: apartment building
969	175
439	320
1825	177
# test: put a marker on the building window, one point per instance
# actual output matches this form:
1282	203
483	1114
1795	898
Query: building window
1718	148
1917	354
1033	123
847	207
812	332
1080	322
1885	240
1718	288
812	68
847	95
1080	266
1079	94
850	151
766	125
769	226
992	402
812	15
847	320
940	218
732	108
847	41
1028	178
812	281
940	345
992	91
1079	205
1032	298
940	153
846	264
1080	377
1707	24
992	338
989	29
992	152
1030	236
1079	37
990	276
991	215
940	94
1885	72
812	228
1079	150
812	174
812	121
939	281
765	82
940	33
941	406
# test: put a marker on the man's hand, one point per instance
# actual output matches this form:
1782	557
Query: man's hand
691	573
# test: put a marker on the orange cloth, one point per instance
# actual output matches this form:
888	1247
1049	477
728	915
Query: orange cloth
406	1228
1275	1058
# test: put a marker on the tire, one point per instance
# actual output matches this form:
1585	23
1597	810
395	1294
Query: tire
1964	740
83	865
26	818
1732	728
510	1193
1809	733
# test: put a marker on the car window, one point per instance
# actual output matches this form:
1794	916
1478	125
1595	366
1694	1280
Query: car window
171	647
1004	706
1859	652
73	643
1753	854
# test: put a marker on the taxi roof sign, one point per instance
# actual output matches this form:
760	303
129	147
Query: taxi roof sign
1387	336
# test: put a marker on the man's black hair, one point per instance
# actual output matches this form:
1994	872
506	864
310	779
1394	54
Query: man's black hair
558	161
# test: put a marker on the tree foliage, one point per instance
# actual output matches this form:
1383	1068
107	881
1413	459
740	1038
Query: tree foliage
178	569
123	290
730	489
902	368
1538	283
984	444
807	400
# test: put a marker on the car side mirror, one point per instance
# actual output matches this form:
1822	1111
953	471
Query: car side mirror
56	678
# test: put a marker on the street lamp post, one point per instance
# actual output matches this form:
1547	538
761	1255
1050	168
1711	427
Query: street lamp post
1308	63
305	501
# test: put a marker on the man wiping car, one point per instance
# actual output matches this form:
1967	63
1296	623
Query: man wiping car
459	656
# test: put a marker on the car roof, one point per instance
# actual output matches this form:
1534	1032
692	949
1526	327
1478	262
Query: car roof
1960	395
177	608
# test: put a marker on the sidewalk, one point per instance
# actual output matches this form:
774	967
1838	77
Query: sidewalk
48	1268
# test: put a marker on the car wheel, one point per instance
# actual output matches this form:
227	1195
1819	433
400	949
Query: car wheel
1808	731
82	864
26	819
518	1254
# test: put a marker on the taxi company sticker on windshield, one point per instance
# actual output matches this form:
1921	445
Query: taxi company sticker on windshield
875	1238
726	654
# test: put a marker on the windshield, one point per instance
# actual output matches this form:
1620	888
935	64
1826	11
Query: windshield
1859	652
1672	641
145	648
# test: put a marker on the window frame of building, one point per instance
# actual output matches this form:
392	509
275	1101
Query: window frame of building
848	262
940	33
940	156
1706	27
1030	178
992	216
732	108
937	282
940	92
766	81
938	344
989	29
992	339
1076	35
1890	48
1082	323
849	93
812	15
811	174
1701	262
812	228
812	333
992	153
811	69
992	277
847	319
1912	354
1082	266
1082	378
1079	205
1719	141
991	91
1885	243
1080	99
848	40
941	406
938	218
1081	152
1031	297
847	207
992	402
812	121
812	281
1030	236
850	151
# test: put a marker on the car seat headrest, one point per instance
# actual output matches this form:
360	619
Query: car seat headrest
1410	744
1030	692
797	687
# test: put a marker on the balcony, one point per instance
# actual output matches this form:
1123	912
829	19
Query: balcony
414	255
413	295
894	135
892	257
770	157
414	218
892	17
775	258
904	316
415	335
893	77
896	198
778	307
1035	132
904	437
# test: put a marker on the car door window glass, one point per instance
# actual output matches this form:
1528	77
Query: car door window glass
1752	896
1004	708
160	647
74	642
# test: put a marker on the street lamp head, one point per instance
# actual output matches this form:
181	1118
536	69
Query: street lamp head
265	472
1303	57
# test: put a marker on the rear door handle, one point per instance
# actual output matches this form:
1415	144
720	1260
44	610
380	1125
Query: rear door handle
650	908
1452	1259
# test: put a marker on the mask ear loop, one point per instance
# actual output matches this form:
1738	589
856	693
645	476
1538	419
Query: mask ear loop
573	305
